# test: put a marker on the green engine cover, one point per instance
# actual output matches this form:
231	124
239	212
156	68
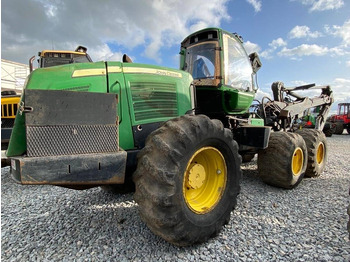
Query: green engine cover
146	94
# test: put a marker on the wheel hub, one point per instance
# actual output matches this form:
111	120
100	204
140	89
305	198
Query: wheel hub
320	153
204	180
196	176
297	161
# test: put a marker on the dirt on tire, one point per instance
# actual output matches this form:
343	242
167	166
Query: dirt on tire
275	162
159	179
314	139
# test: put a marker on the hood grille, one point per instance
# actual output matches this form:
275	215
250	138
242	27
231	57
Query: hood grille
154	100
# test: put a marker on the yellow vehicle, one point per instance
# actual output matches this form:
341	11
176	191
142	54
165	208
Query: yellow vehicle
48	58
9	106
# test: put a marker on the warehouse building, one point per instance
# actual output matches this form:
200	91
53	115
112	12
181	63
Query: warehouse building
13	76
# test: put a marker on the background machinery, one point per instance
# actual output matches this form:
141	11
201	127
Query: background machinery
309	120
342	118
183	131
48	58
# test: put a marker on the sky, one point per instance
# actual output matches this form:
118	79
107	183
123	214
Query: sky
298	41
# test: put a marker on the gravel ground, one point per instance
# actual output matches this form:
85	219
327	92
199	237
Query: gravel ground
44	223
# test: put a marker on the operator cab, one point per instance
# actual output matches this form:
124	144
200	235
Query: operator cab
216	57
224	75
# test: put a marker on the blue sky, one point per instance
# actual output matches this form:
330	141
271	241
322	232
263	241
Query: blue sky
299	41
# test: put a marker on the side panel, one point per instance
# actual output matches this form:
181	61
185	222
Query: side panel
116	85
235	101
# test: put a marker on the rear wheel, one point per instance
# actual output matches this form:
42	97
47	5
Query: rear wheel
328	133
283	163
339	128
316	143
187	179
328	129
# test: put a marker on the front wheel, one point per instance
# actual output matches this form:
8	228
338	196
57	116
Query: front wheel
187	179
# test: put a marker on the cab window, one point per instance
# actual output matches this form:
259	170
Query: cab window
238	70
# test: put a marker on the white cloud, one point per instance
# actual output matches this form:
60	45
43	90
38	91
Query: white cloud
308	50
150	25
267	54
341	91
348	63
343	32
304	50
303	31
322	5
275	44
256	4
251	47
104	53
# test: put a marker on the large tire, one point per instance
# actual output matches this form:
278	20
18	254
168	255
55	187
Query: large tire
187	179
328	133
317	150
283	163
339	128
328	129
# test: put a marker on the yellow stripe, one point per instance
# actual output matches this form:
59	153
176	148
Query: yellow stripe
89	72
114	69
141	70
61	52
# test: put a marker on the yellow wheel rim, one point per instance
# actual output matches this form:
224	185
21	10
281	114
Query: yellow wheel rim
297	161
320	153
204	180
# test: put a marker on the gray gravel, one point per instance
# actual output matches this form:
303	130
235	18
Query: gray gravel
44	223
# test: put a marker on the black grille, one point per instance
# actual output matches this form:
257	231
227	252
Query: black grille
7	122
71	139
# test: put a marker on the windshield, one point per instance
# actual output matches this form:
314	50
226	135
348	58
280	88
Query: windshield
238	69
200	61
